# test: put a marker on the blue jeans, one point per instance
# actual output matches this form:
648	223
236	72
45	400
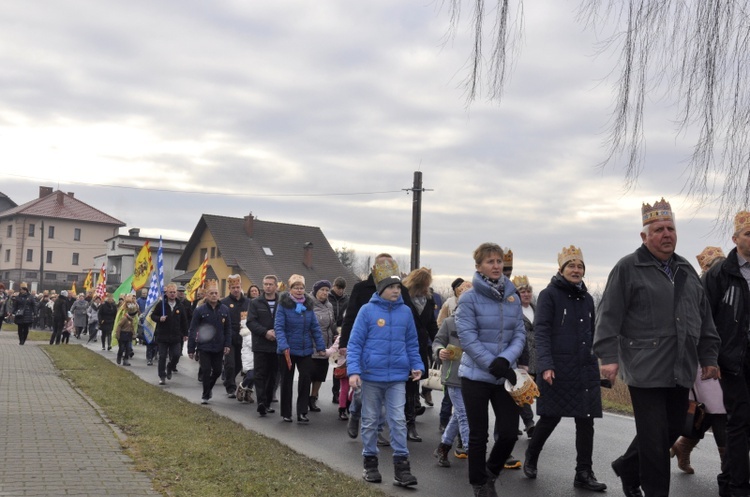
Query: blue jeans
458	422
392	395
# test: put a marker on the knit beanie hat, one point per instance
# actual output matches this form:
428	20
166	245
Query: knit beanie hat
320	284
296	279
385	273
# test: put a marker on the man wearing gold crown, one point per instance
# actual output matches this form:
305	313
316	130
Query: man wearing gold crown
237	303
727	287
654	328
211	334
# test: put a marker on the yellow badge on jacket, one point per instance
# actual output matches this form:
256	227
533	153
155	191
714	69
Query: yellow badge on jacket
511	299
381	322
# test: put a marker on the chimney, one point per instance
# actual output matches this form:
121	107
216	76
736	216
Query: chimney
249	225
60	197
134	231
71	194
307	257
44	191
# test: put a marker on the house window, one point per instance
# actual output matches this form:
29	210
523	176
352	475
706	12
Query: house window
203	254
213	252
113	244
51	232
50	276
73	277
31	230
77	234
7	255
75	258
267	251
49	257
218	252
10	230
30	275
29	255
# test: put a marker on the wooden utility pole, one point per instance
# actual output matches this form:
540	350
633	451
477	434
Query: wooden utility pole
416	219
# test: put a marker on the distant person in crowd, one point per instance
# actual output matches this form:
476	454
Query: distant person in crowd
253	292
79	310
237	303
245	388
93	318
527	361
44	312
339	301
447	352
382	354
653	328
59	317
68	330
726	284
125	330
449	306
107	314
23	312
490	327
569	386
418	284
261	316
327	322
3	301
186	304
298	337
211	335
170	333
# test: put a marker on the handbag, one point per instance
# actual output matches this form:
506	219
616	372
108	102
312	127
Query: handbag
434	380
693	427
339	372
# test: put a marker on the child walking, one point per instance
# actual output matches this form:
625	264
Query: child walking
125	331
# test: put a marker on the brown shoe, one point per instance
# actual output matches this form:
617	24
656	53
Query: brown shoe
682	449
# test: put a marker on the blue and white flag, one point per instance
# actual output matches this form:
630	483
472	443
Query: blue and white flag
155	292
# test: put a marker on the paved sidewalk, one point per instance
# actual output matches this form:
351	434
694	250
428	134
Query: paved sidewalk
53	442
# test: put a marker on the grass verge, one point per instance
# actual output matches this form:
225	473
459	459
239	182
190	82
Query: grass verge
188	450
34	335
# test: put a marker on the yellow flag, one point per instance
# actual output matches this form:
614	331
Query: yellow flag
197	280
73	289
88	282
143	267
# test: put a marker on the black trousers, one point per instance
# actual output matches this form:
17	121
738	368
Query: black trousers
56	336
584	439
737	403
478	396
23	332
210	363
412	397
233	363
266	371
659	417
171	350
304	365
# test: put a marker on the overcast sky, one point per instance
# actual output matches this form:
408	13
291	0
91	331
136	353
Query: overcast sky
319	113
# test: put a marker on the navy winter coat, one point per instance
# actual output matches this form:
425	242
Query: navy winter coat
206	321
564	333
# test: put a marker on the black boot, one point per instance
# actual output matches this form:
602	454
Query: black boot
441	453
352	427
402	473
585	479
411	434
486	490
629	488
313	403
371	472
529	465
342	414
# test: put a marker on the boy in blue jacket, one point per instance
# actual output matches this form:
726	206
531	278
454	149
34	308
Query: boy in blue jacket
383	352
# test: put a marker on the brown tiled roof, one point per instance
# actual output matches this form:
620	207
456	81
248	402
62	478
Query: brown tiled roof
285	241
70	208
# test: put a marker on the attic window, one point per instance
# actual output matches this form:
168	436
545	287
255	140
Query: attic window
267	251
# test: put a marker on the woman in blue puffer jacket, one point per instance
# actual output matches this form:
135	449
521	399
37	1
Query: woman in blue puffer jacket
298	336
490	327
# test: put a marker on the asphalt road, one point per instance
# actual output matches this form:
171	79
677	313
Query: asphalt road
325	439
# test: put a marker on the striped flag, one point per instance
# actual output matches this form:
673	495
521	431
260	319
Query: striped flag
197	280
155	292
101	286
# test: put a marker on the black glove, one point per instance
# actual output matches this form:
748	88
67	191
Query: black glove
511	376
499	367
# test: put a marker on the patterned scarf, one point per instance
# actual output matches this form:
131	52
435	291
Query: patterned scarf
496	284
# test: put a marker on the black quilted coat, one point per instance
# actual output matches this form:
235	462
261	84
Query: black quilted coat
564	332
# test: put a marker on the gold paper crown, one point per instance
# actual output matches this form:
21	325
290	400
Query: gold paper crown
741	221
234	279
521	281
507	257
211	285
568	254
661	211
709	255
384	269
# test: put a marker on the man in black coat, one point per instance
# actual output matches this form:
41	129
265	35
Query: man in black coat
237	304
59	317
171	331
261	315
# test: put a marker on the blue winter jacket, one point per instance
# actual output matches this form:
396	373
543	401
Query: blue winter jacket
297	331
489	327
383	345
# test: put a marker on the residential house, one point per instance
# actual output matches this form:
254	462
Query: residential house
50	242
253	248
6	203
